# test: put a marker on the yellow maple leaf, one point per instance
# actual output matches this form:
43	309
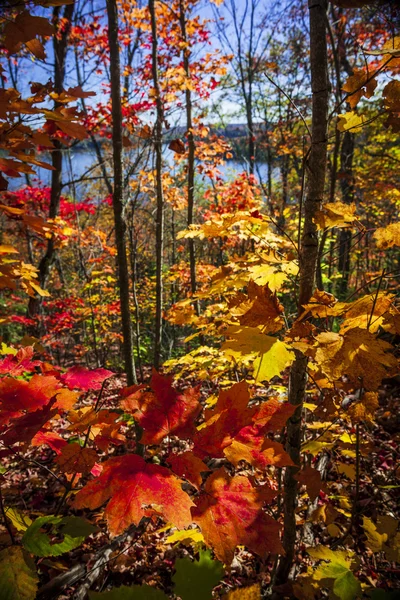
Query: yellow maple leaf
369	311
357	354
365	408
259	308
335	214
350	120
389	236
270	354
375	540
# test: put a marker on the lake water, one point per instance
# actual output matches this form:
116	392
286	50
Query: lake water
80	170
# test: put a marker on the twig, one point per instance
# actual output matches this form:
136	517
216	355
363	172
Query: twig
291	102
375	299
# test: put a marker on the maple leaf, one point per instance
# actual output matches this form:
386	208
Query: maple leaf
357	354
195	580
230	415
311	478
74	459
350	121
359	84
365	408
23	429
229	513
391	94
17	395
368	312
19	363
188	466
323	304
19	580
134	489
87	417
109	434
85	379
261	307
335	214
257	451
49	438
337	568
272	355
387	237
272	415
164	411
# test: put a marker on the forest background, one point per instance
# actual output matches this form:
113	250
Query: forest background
199	267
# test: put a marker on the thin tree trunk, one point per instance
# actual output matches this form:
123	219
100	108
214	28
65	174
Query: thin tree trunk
191	149
60	48
118	191
159	190
308	262
347	187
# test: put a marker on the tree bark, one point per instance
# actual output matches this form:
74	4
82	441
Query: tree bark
347	188
60	49
159	190
118	191
308	260
191	148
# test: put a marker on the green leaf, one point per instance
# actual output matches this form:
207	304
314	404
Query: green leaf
73	530
134	592
196	580
347	587
18	578
76	527
337	567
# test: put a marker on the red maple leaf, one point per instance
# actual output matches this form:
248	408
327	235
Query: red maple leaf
135	489
85	379
230	513
49	438
18	396
228	418
19	363
23	429
163	411
189	466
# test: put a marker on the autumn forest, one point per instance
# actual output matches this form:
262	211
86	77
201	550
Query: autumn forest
199	299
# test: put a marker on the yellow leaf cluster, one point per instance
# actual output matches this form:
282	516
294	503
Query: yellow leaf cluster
387	237
335	214
357	354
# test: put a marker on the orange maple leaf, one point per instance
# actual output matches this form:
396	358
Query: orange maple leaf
134	489
230	513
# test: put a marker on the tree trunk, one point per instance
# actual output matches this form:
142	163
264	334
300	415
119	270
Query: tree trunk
159	190
191	149
118	191
60	48
308	261
347	187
